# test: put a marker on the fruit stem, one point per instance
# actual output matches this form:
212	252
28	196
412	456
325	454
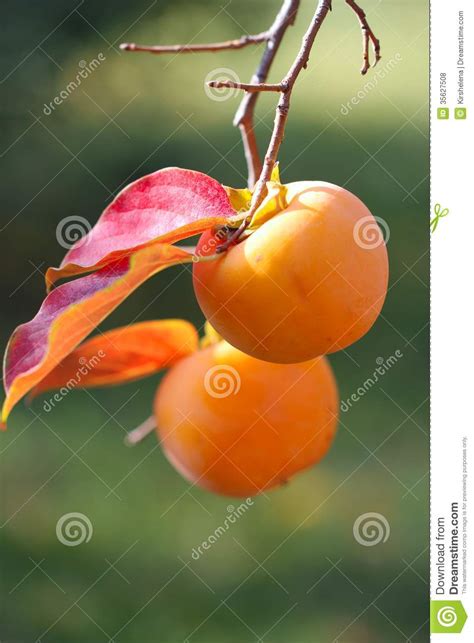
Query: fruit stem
233	238
140	433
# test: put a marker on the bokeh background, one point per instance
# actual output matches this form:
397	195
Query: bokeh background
290	569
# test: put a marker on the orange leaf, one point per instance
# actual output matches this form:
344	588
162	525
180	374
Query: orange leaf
69	313
122	355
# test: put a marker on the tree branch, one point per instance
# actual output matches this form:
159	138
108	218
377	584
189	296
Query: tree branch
281	116
367	37
244	117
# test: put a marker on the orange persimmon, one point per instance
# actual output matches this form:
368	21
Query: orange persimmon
310	280
237	425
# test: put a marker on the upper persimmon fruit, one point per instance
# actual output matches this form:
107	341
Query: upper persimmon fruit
237	425
310	280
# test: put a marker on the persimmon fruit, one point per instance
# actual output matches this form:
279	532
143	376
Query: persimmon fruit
237	425
309	281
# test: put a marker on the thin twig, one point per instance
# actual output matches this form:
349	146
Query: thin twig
367	37
238	43
248	87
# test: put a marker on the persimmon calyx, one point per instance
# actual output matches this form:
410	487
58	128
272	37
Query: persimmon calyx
273	203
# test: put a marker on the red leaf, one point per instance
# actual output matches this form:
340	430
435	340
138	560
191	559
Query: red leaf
71	312
123	355
165	206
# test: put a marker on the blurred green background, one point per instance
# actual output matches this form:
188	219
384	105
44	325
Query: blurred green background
290	569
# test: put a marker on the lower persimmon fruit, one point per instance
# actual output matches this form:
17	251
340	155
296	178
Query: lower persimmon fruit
237	425
311	280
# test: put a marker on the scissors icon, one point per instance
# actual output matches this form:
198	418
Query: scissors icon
439	214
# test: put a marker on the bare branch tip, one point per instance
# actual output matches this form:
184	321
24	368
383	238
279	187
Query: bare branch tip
368	37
